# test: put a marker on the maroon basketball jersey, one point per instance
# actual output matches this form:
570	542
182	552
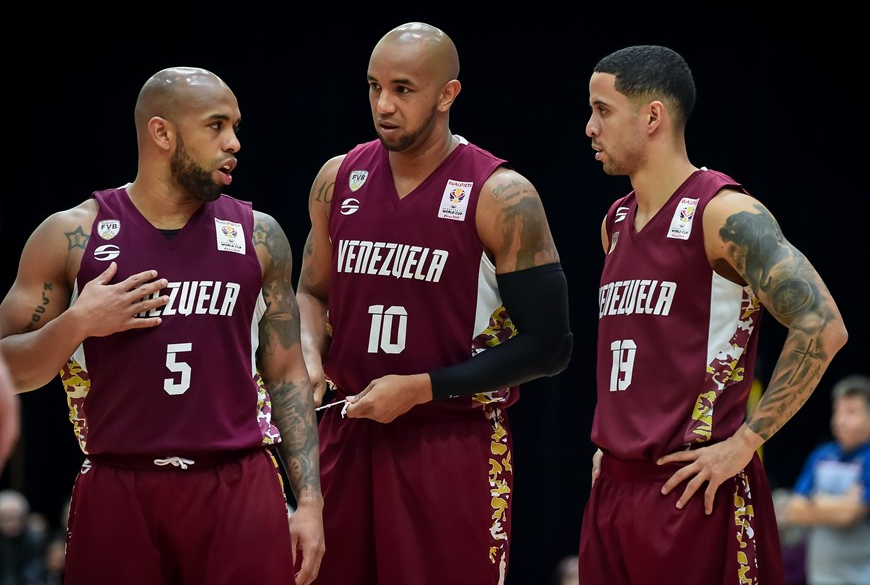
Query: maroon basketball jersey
189	384
676	341
411	288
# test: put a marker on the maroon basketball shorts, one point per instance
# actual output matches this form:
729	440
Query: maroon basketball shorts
208	523
633	535
423	500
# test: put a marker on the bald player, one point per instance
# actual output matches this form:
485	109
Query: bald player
167	308
430	289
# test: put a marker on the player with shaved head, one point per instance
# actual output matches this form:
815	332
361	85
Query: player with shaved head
430	289
167	308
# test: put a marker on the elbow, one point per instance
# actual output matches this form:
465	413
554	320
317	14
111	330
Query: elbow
560	356
840	337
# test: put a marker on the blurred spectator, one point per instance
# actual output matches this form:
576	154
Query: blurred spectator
54	562
21	549
567	571
832	494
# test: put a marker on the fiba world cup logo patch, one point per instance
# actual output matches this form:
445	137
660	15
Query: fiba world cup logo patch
108	228
456	196
684	216
357	178
230	236
454	201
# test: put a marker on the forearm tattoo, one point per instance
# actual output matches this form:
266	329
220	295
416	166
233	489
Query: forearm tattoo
292	403
299	447
796	296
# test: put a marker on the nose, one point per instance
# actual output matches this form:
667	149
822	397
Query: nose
234	145
591	127
384	103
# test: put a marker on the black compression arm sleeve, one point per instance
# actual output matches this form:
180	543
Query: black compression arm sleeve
536	300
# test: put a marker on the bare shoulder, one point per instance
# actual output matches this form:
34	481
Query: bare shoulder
61	238
512	223
507	187
76	220
733	218
271	244
47	268
729	202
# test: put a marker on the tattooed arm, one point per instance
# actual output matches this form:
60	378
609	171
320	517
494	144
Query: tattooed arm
38	327
280	363
313	290
512	224
745	244
751	242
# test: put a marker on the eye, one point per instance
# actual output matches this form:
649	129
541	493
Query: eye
374	86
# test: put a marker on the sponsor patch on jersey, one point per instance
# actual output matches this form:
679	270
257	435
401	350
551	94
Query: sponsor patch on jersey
681	223
349	206
621	212
106	252
108	228
357	178
230	236
454	202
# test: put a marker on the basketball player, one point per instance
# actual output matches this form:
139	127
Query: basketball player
691	261
168	307
430	288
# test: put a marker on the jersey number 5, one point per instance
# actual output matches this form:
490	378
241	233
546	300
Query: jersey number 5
173	364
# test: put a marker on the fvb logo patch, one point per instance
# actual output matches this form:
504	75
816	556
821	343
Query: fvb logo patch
230	236
357	178
454	201
108	228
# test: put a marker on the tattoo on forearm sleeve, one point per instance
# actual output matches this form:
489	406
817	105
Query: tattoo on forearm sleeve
794	295
298	446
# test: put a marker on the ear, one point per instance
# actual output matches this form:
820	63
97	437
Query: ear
161	132
656	115
449	92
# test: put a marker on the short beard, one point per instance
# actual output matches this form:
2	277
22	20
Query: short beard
410	140
195	179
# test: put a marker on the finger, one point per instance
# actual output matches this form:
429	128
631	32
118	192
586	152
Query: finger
679	456
690	490
304	576
107	274
675	480
709	499
294	544
144	323
149	303
146	289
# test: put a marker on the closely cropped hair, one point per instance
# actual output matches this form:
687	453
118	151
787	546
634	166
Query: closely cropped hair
655	72
855	385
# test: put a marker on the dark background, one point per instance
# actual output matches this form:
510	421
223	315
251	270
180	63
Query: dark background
779	108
